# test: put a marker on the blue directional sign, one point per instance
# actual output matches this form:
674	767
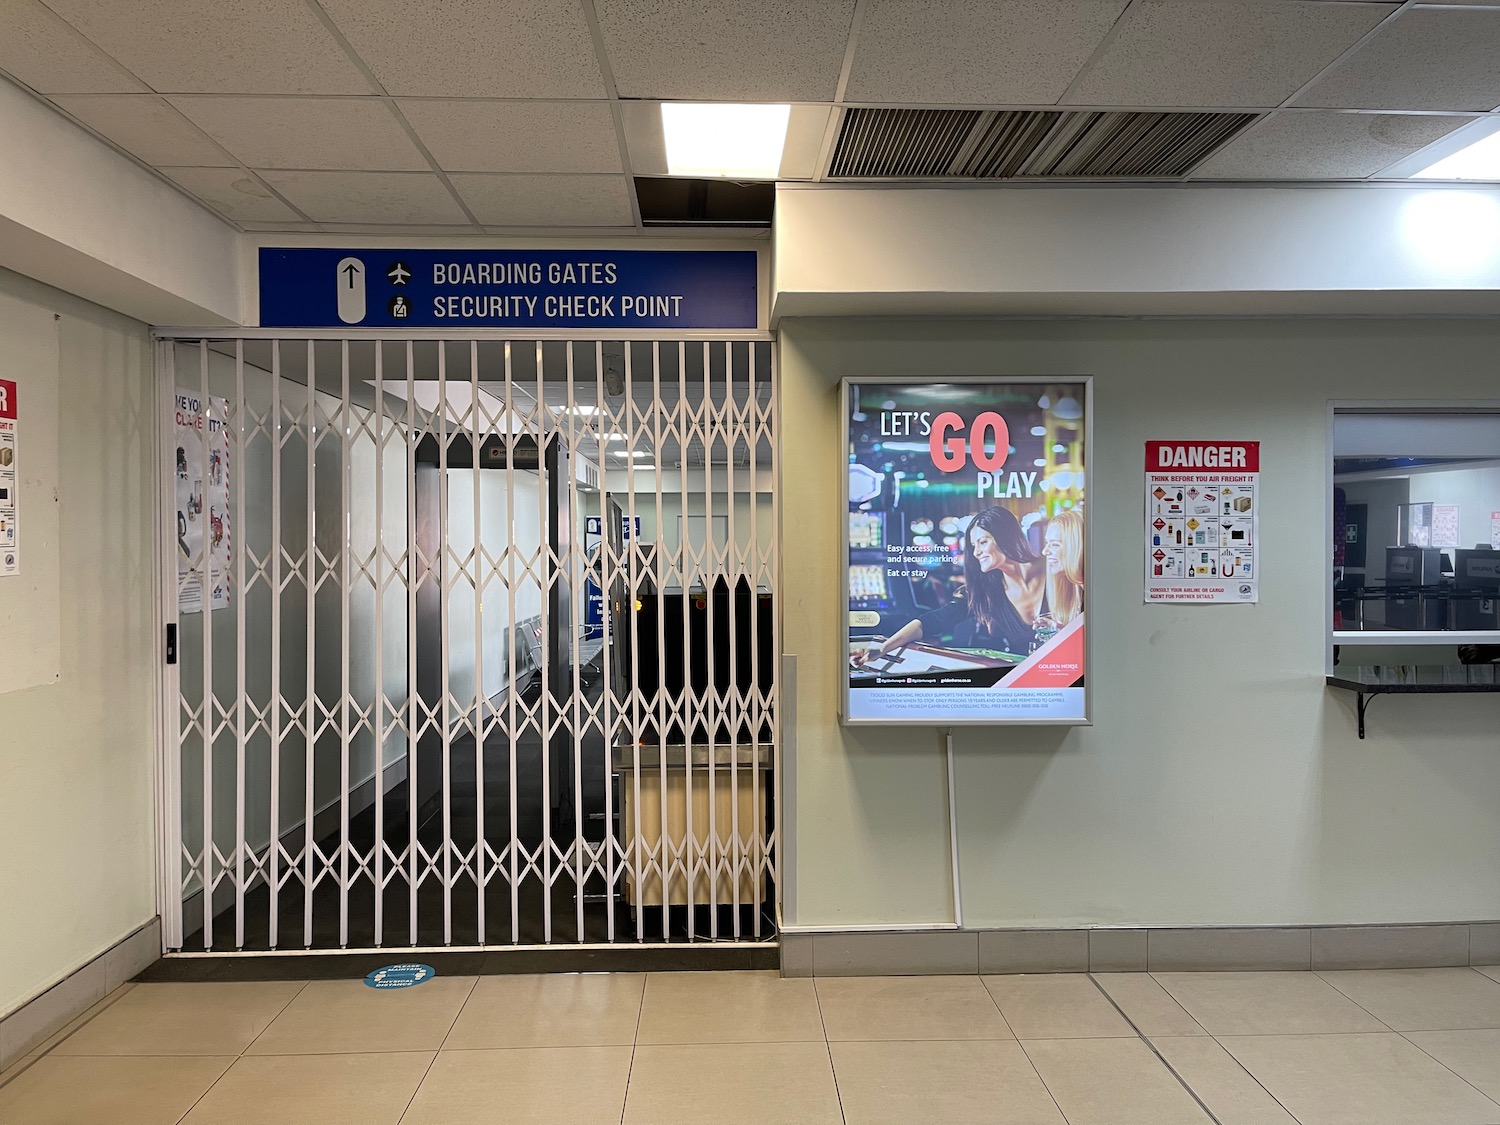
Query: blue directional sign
400	976
685	289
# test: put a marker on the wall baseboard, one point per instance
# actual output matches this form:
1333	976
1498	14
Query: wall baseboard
1102	949
37	1020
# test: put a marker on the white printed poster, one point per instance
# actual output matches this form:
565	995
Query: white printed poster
1202	521
201	473
1445	525
10	535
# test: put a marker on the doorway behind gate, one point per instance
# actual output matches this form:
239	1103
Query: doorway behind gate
474	642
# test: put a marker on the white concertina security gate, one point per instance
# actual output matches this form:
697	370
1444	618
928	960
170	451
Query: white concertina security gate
471	641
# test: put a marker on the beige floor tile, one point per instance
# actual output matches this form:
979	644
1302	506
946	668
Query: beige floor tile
1360	1080
1423	999
1056	1006
1273	1003
1221	1083
729	1008
103	1090
371	1089
985	1082
1473	1055
1112	1082
1147	1004
909	1008
732	1084
10	1035
349	1017
550	1010
1491	971
182	1019
535	1085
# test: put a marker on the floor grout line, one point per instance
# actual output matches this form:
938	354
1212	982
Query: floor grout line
1150	1046
433	1061
26	1062
302	987
1404	1035
828	1050
640	1014
1025	1054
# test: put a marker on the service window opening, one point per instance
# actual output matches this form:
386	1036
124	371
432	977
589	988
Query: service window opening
1416	529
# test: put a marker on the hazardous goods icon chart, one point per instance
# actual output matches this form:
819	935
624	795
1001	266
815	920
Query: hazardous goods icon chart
1202	521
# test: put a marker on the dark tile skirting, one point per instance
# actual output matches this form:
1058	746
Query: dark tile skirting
1125	950
43	1016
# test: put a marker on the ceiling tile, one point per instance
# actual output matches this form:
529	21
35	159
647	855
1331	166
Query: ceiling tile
473	48
233	194
219	46
517	136
368	197
1212	53
1319	146
306	132
727	50
147	127
1427	59
49	56
1005	52
547	201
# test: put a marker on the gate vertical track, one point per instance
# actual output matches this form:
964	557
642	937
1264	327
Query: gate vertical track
408	726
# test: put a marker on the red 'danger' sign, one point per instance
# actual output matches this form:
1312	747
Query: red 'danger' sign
1216	456
1202	521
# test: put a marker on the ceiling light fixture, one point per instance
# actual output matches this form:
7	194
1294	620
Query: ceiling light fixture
737	141
1478	161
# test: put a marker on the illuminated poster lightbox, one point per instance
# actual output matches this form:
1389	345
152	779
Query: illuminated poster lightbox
966	551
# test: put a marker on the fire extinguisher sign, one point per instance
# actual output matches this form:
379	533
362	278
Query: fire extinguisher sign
1202	521
10	535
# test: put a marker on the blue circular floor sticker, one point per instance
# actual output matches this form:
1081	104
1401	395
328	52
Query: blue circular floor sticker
400	976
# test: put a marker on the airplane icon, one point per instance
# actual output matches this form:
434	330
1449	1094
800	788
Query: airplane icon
398	274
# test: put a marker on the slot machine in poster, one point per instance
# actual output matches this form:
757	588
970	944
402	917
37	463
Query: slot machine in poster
201	485
966	551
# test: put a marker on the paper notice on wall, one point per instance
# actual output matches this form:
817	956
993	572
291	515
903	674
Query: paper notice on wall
10	534
201	483
1202	521
1445	525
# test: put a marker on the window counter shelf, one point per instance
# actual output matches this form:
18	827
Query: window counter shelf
1413	679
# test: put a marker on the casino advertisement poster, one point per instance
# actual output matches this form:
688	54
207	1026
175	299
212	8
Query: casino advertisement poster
965	569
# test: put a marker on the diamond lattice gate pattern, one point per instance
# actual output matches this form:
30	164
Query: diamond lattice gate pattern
475	642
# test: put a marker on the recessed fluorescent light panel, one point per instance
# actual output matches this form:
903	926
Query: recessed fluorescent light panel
734	141
1478	161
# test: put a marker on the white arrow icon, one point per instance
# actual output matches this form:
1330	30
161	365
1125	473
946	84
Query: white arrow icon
349	282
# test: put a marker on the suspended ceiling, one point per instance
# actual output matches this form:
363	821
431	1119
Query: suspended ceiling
502	116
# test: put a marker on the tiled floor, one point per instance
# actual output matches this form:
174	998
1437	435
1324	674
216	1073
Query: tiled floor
1396	1047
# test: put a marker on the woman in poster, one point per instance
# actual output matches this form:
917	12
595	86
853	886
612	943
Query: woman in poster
1062	548
1004	588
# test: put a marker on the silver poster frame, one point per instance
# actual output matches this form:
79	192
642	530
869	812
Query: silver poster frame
940	721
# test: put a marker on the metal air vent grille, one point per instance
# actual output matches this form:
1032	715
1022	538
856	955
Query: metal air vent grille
902	143
1005	144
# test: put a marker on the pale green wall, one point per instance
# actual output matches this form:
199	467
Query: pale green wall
77	763
1222	782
